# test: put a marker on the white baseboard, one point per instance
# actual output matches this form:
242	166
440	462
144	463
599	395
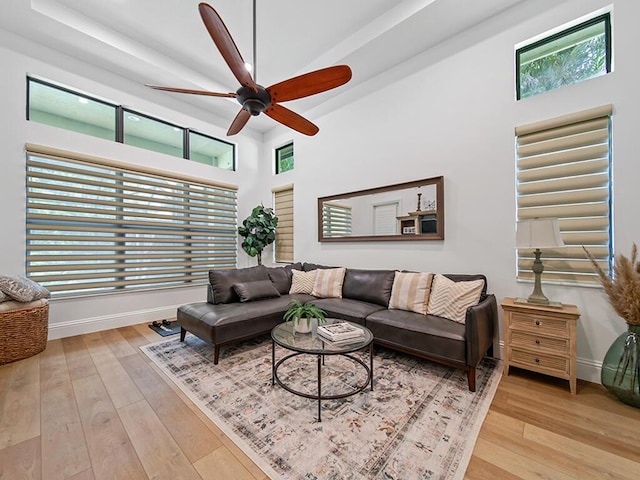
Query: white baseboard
96	324
588	369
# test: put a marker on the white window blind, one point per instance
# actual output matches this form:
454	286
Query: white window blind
283	201
95	225
336	220
385	220
563	171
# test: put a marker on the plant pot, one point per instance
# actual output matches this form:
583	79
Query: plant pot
621	367
302	325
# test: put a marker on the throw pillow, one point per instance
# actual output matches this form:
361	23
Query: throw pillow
4	297
222	281
281	276
302	282
328	283
258	290
410	292
451	299
22	289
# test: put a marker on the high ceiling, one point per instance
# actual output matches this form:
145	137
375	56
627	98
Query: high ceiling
165	42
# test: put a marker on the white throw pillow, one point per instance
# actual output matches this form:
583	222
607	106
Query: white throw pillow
22	289
328	283
410	292
302	282
451	299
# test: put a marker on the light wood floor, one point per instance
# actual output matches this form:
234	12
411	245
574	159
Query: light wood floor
94	407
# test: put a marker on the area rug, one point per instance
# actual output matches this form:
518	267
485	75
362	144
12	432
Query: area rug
419	422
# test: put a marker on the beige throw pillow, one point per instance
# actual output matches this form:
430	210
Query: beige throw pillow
302	282
451	299
410	292
328	283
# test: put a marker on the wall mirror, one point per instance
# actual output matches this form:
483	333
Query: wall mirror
404	211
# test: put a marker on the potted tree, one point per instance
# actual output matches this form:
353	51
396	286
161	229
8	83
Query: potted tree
301	315
259	231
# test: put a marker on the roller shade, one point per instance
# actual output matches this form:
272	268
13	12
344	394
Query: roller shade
95	225
563	171
283	201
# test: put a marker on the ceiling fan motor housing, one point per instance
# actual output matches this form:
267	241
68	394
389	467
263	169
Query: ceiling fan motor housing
254	102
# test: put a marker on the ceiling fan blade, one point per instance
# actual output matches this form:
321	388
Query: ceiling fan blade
239	122
310	83
291	119
193	92
223	40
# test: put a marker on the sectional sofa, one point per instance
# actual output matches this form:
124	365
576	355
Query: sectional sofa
248	302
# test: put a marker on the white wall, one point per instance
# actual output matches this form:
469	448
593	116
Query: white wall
456	118
79	315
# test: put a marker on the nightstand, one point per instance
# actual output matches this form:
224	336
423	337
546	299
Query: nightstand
541	339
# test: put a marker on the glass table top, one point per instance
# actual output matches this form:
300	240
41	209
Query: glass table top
284	335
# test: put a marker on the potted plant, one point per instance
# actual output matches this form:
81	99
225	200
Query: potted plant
301	315
621	366
259	231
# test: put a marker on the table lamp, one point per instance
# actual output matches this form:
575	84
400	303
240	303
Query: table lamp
538	233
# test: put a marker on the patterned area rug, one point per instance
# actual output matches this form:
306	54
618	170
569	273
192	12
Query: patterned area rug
419	422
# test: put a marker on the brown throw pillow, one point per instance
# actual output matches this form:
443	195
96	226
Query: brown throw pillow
258	290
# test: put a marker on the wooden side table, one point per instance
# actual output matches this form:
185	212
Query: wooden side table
541	339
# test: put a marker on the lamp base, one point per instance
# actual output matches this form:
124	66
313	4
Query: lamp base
528	302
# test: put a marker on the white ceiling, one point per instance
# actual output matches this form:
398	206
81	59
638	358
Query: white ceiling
165	42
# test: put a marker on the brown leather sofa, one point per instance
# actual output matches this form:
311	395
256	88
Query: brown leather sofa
245	303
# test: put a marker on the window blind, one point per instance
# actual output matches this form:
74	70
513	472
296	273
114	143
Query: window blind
95	225
283	201
336	220
563	171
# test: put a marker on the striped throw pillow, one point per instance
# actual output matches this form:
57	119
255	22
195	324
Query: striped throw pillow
451	299
302	282
410	292
328	283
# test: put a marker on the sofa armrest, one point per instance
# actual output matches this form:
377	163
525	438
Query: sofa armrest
479	328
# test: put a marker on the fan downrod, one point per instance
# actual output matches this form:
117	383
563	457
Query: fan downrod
254	102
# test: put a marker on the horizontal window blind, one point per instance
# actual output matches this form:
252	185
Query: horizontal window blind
336	220
97	226
563	171
283	201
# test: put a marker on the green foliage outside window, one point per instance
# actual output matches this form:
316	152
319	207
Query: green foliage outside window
284	158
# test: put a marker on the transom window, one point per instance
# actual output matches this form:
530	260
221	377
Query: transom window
284	158
571	56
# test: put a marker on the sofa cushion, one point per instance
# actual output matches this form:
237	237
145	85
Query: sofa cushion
281	276
258	290
222	282
450	299
302	282
422	334
346	308
373	286
328	283
411	292
307	267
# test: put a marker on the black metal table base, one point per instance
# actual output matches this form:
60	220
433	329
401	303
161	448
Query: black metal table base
320	360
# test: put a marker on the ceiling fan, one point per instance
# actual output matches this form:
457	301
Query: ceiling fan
256	99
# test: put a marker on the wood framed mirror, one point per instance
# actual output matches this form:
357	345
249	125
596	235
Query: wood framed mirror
407	211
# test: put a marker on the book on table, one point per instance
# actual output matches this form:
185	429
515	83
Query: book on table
340	331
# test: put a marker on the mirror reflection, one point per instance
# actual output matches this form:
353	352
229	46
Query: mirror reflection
406	211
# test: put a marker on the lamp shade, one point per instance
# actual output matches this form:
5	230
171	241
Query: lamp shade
538	233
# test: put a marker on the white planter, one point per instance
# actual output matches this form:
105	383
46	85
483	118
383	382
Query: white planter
303	325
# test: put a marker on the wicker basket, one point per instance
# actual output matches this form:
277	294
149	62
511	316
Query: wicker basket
24	331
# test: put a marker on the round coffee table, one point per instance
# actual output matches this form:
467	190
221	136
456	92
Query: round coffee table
313	344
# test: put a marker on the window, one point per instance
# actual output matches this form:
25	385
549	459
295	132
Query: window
284	158
151	134
95	225
64	108
211	151
283	201
385	218
571	56
564	172
336	220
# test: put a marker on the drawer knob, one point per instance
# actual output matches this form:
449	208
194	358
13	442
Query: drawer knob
538	322
537	360
537	342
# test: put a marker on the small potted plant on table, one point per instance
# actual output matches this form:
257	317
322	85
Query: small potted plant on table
301	315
